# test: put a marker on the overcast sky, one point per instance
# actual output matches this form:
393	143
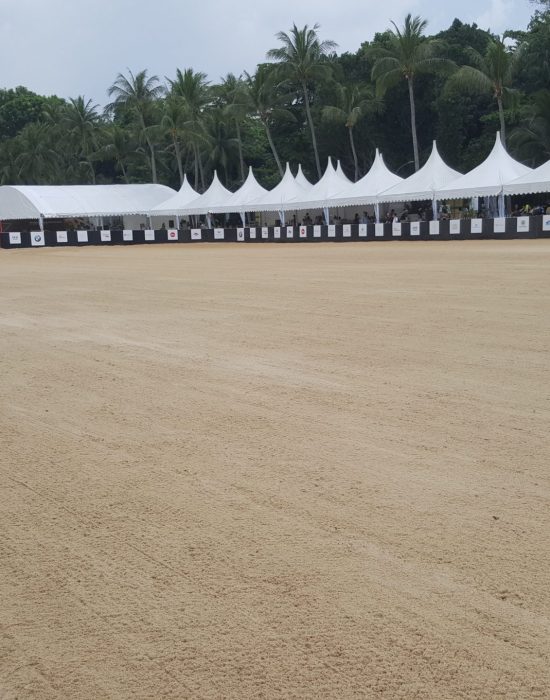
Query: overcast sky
77	47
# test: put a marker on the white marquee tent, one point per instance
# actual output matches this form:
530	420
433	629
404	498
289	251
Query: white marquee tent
275	199
176	203
203	203
302	180
238	201
76	201
531	182
321	194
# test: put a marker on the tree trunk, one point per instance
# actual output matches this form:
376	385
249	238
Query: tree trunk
201	170
240	143
196	152
352	143
312	129
273	149
178	158
153	161
413	124
124	175
502	124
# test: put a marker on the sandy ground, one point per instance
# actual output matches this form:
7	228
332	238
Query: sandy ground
275	471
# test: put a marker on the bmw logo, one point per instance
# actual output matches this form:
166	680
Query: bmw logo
38	238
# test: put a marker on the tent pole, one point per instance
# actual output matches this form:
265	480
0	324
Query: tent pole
377	212
41	221
434	208
325	214
177	221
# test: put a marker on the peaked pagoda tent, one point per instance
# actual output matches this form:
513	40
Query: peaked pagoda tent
341	174
176	203
488	179
322	194
301	179
532	182
366	190
422	184
204	203
78	201
238	201
277	198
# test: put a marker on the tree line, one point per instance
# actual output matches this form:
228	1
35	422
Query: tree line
398	92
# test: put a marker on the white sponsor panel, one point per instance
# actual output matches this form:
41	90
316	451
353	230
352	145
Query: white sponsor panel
265	232
346	230
290	231
252	232
172	234
105	236
62	237
303	231
82	236
240	234
546	223
415	228
317	231
396	228
196	234
332	231
454	226
499	225
127	234
434	228
378	229
218	234
15	238
476	225
522	224
149	234
363	230
276	232
37	238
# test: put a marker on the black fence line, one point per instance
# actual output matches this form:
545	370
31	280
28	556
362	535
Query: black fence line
458	229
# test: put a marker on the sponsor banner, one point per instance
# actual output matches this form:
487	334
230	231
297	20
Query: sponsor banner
476	225
265	232
290	231
276	232
172	234
499	225
378	229
454	226
546	223
252	232
303	231
346	230
363	230
15	238
37	238
127	235
61	237
218	234
149	234
415	228
240	234
196	234
82	236
522	224
105	236
332	231
396	228
434	228
317	231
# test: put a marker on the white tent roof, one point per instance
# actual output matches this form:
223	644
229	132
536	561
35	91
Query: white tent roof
322	193
488	178
302	180
367	189
175	204
237	201
341	174
435	173
275	199
533	181
67	201
204	203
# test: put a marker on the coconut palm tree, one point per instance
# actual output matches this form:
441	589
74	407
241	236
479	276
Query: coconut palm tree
408	53
232	94
222	145
36	161
173	120
302	61
531	139
120	147
139	94
82	124
192	88
490	74
265	101
352	104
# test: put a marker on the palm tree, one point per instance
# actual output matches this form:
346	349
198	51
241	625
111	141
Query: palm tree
531	140
36	161
301	59
139	94
265	101
222	146
491	73
82	124
352	103
120	147
409	52
233	94
173	123
191	87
